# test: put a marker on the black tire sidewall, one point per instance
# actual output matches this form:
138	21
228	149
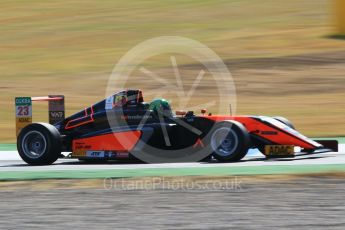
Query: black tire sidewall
243	141
53	142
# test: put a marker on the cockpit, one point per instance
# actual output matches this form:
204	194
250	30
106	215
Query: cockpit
127	97
133	99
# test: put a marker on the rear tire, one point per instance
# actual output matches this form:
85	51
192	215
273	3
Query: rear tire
229	141
39	144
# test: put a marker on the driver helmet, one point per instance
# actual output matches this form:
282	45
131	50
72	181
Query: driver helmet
161	106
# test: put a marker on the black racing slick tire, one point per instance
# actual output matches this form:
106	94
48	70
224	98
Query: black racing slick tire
39	144
285	121
229	141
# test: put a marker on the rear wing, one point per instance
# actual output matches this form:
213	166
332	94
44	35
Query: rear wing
56	110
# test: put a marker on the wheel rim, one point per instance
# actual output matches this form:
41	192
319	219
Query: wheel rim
34	144
224	141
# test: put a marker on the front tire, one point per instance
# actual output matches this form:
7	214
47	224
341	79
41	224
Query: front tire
39	144
229	141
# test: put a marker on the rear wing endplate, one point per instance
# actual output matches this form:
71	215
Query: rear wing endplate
56	110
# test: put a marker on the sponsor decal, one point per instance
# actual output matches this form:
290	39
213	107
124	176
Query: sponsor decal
56	109
136	117
95	154
98	154
79	153
81	145
269	132
24	119
21	122
23	112
58	115
23	107
22	101
279	150
122	155
109	102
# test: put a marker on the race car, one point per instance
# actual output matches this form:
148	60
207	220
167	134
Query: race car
124	126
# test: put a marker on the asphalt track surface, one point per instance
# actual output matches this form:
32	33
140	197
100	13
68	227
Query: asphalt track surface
11	166
299	203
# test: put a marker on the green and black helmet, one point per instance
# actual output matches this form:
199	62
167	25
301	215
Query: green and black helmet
161	106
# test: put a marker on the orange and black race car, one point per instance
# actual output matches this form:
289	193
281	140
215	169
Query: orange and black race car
123	126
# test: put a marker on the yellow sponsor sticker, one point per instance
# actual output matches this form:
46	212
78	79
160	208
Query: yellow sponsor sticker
21	122
79	153
279	150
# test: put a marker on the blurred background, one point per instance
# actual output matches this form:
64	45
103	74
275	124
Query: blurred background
287	57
